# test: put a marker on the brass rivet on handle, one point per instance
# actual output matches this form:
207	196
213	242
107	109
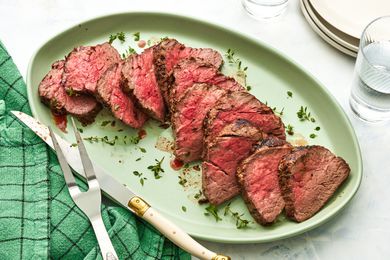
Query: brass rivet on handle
138	205
221	257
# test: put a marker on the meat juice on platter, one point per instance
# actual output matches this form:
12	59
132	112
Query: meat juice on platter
60	121
240	141
142	133
176	164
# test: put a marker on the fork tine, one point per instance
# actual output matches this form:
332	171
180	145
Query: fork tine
68	175
87	164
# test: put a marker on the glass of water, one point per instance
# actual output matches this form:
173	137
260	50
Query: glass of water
265	9
370	94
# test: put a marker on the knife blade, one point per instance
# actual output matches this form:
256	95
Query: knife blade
121	194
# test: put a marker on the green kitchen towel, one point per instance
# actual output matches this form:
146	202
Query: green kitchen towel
38	219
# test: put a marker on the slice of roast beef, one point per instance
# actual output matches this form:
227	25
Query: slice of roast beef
258	178
53	94
169	52
308	178
140	81
85	65
242	105
187	120
222	157
195	70
122	106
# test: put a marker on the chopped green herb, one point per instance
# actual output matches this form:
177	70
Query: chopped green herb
289	94
197	195
132	139
164	38
104	123
139	175
73	145
143	150
128	52
149	42
104	139
313	136
183	208
317	128
138	159
70	92
182	181
212	210
280	113
120	36
120	130
156	169
304	115
233	60
240	222
290	129
186	166
80	130
136	36
230	56
249	88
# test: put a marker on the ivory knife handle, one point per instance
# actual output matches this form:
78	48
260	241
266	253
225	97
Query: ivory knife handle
172	232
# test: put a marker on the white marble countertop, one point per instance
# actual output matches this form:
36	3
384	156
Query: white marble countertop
362	230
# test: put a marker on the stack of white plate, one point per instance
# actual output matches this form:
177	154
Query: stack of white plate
341	22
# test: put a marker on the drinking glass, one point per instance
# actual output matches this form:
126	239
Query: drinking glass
370	93
265	9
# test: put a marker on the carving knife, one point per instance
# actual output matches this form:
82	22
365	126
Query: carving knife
122	195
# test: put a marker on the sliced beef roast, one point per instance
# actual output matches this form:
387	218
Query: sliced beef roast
258	177
169	52
122	106
85	65
187	120
53	94
140	80
308	177
195	70
222	157
242	105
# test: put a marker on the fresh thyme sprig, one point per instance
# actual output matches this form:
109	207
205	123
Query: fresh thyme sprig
156	169
280	113
304	115
128	52
114	140
290	129
213	211
119	35
240	222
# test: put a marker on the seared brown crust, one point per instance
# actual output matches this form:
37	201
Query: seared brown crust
301	156
52	94
225	104
265	147
164	78
89	118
